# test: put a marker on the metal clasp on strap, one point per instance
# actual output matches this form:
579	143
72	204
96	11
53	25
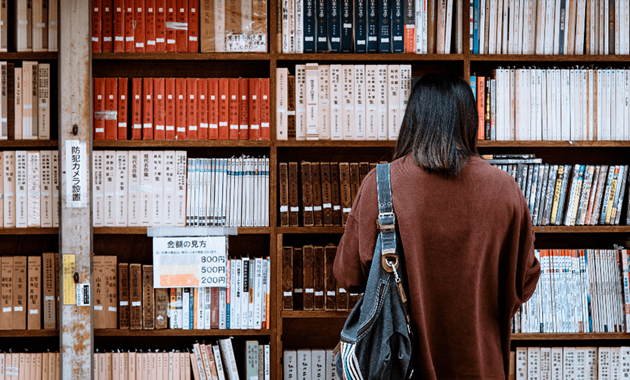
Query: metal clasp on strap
389	262
388	226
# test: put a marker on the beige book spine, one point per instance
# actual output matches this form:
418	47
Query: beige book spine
33	192
28	131
19	292
49	309
8	162
45	369
34	98
34	319
38	366
18	104
206	25
4	26
6	303
53	21
46	208
572	25
110	304
43	104
22	33
38	27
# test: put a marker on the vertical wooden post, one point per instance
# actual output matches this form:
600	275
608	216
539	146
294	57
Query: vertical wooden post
75	232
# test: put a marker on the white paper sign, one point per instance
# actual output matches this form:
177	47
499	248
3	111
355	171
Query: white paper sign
76	177
189	262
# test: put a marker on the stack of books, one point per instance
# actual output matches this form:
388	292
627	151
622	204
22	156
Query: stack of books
35	25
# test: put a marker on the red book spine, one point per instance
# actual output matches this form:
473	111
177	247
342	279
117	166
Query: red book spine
136	109
254	109
147	109
481	106
108	26
111	108
243	108
193	26
191	108
122	108
97	27
265	118
99	108
130	15
202	100
180	120
160	26
224	106
233	110
139	22
182	26
149	26
170	108
213	109
119	26
159	111
171	15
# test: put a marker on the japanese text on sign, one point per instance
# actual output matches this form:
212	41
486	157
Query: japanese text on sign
76	178
189	262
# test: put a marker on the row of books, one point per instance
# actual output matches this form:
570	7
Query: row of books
342	102
384	26
570	195
308	281
25	101
29	290
212	363
589	363
309	364
29	189
125	298
181	109
553	104
34	25
228	192
328	190
182	26
30	366
579	291
597	27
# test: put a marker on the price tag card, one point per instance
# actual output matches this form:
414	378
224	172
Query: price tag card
189	262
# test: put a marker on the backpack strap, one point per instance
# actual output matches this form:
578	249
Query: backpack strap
386	222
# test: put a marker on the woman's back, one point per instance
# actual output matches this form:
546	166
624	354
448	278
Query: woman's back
467	242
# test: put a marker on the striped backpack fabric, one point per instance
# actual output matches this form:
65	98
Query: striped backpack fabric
376	340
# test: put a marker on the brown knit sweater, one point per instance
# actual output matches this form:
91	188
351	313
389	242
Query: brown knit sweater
469	251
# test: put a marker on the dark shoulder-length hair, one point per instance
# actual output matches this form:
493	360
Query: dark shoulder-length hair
439	128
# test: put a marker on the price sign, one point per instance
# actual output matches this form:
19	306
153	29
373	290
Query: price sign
189	262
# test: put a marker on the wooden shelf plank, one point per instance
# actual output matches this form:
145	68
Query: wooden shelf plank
28	333
143	230
575	336
28	56
181	56
169	332
537	229
554	144
334	144
29	231
314	314
29	144
369	57
548	58
179	143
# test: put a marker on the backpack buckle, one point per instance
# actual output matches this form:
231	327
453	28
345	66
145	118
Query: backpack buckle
389	221
389	262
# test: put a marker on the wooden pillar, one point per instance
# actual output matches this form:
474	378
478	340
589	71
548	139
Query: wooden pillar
75	232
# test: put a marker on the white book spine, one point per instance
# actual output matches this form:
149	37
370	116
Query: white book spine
55	189
359	101
304	364
109	188
492	43
405	89
482	26
324	102
300	102
281	103
521	363
180	189
219	26
312	100
336	100
220	362
556	30
121	188
158	188
499	37
237	290
298	45
43	104
170	210
286	31
146	182
98	208
229	361
533	363
258	293
133	189
449	26
347	110
33	189
222	309
381	101
393	101
289	364
556	364
186	308
371	95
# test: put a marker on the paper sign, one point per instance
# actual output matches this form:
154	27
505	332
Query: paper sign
76	177
69	267
189	262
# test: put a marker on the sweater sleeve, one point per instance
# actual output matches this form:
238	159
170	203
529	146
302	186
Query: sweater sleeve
356	248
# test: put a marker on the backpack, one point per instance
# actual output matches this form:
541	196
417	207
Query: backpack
376	340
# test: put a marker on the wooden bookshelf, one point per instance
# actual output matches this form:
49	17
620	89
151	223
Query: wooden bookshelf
28	56
28	333
29	144
180	144
171	333
29	231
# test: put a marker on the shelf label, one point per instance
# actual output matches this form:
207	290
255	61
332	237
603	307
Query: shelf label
189	262
69	290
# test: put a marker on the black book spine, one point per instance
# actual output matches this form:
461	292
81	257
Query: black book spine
360	29
322	27
372	26
334	26
346	26
309	26
384	26
398	26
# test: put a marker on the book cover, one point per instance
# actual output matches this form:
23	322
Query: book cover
347	27
122	108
